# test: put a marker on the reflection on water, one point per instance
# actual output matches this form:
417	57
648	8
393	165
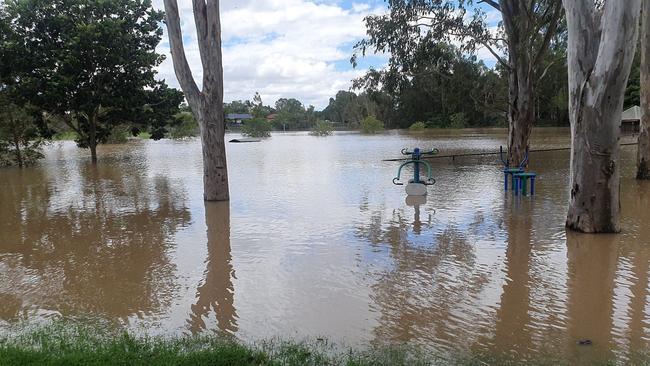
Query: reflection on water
591	288
318	242
215	294
99	245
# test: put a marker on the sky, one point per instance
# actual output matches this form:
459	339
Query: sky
284	48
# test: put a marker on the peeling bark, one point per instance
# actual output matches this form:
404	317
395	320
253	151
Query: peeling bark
600	52
521	114
528	38
206	104
643	154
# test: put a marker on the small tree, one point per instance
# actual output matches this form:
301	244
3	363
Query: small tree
20	143
185	126
418	126
291	114
321	128
90	63
371	125
256	127
601	48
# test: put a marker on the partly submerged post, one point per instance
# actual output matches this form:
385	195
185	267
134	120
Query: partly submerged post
416	186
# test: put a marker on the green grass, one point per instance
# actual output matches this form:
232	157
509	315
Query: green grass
69	344
62	343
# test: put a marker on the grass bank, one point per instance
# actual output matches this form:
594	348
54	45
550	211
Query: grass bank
72	344
97	345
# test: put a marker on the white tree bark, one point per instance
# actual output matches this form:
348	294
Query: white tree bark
643	155
600	52
206	104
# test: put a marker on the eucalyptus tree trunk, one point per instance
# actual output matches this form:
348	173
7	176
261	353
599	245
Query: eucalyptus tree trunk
521	111
529	27
206	104
92	136
643	154
600	52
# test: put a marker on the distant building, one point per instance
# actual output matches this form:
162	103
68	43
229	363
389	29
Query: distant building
631	120
237	118
271	116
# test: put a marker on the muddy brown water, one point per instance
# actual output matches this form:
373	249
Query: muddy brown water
317	241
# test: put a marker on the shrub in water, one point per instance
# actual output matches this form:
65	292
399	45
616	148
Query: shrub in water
458	120
119	135
185	126
256	127
418	126
438	122
20	143
371	124
321	128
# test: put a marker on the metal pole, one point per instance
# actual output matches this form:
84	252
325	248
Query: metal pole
416	167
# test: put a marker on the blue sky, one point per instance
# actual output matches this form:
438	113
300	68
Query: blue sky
284	48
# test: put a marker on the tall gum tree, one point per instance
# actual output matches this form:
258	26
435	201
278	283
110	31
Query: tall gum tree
601	49
643	155
527	30
206	104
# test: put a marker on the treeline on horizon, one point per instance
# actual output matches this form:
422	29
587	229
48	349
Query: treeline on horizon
457	91
63	76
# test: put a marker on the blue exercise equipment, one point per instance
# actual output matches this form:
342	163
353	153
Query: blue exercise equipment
518	176
416	160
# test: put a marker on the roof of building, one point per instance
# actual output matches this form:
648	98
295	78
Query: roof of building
632	114
238	116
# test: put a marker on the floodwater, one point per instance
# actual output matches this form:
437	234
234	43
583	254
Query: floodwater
317	241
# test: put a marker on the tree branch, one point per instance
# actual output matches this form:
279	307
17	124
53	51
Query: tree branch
550	32
181	66
548	67
208	26
492	3
496	55
201	22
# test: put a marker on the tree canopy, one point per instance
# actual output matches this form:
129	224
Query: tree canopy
412	30
88	63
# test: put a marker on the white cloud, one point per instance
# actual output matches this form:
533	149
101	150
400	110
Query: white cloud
279	48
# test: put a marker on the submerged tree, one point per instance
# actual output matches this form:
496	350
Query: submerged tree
89	63
206	104
643	155
600	53
527	30
20	143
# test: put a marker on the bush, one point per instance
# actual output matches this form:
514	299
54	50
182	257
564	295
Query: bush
371	125
438	122
185	126
20	142
119	135
321	128
458	120
418	126
256	127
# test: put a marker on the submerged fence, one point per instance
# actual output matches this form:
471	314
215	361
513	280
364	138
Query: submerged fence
454	156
